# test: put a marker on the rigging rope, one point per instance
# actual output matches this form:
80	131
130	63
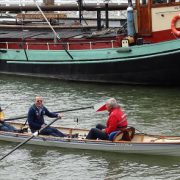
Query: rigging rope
56	35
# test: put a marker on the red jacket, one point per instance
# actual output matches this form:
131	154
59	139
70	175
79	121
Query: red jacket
116	119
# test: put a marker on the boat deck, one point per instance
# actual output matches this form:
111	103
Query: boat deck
47	34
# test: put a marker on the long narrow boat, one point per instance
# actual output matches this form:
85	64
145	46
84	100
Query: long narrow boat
139	144
148	54
146	64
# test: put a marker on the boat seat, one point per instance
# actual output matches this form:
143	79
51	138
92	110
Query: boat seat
112	134
124	135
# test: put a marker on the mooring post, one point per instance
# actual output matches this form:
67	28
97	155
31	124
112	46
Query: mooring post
98	19
80	10
107	13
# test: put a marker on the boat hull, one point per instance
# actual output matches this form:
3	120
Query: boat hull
172	149
151	66
139	144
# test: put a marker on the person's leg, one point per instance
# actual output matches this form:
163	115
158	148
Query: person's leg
46	131
8	127
57	133
95	133
52	131
100	126
3	128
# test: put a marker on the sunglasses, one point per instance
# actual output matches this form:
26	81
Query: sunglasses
39	101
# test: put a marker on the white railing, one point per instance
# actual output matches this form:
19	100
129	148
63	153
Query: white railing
48	45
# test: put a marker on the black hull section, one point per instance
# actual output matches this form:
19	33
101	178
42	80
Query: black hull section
157	70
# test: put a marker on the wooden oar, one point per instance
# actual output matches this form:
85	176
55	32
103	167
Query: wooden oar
33	135
15	118
96	107
25	116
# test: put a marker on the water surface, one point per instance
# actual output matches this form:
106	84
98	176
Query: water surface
150	109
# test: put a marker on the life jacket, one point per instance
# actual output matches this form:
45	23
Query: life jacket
121	126
116	120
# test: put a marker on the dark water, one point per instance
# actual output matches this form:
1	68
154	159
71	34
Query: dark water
153	110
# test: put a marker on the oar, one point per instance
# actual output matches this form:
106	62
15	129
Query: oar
33	135
15	118
96	107
76	109
81	108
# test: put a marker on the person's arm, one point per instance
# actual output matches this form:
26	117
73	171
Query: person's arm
50	114
112	124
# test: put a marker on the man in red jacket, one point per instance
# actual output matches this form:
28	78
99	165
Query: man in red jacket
116	121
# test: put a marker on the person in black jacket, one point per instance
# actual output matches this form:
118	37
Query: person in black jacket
36	119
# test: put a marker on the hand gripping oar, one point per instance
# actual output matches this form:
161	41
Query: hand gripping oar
33	135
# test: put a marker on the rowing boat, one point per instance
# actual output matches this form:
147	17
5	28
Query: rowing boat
140	143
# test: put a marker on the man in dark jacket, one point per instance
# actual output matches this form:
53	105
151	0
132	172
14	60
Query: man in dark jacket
36	119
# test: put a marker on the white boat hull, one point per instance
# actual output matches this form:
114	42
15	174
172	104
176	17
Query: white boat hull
172	147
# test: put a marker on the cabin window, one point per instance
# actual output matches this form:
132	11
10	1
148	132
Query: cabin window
159	1
143	2
165	1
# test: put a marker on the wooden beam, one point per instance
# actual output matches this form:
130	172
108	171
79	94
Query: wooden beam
39	16
65	7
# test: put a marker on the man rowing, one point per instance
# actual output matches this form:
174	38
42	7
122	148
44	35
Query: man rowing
36	119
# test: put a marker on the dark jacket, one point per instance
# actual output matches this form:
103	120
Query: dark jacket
36	116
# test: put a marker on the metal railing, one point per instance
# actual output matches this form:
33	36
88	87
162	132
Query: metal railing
58	46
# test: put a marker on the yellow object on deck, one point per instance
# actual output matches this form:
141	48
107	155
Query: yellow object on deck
2	115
